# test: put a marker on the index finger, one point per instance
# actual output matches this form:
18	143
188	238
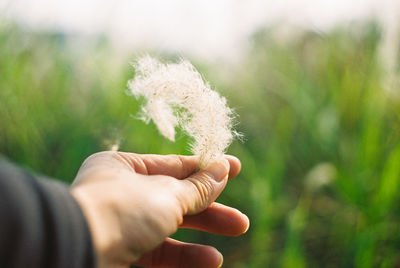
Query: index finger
177	166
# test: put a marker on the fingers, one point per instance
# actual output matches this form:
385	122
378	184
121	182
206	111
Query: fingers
218	219
176	254
177	166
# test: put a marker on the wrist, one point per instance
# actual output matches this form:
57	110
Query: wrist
105	234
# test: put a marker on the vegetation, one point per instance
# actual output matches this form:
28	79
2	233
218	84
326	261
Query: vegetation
321	157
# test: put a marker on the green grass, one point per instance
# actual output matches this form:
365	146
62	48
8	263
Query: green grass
321	157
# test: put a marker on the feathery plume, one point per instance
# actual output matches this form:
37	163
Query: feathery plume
177	95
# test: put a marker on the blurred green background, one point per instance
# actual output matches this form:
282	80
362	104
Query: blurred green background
321	155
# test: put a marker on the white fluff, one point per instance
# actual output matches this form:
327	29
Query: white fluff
177	95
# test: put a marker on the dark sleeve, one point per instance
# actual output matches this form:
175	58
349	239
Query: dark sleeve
41	224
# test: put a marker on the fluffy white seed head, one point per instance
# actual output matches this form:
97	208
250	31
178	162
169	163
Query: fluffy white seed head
176	95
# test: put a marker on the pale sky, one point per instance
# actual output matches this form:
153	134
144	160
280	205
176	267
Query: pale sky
207	28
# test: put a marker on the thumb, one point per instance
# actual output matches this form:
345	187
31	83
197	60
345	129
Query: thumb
202	188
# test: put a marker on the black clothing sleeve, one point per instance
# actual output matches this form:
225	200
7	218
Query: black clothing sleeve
41	224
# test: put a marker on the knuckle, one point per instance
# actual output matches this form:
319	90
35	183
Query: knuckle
132	161
204	188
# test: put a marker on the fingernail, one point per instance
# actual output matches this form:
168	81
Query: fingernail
248	224
218	170
222	260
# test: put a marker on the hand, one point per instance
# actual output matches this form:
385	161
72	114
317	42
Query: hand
134	202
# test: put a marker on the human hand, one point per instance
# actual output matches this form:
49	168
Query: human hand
133	202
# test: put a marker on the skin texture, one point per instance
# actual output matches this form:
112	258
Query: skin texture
134	202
